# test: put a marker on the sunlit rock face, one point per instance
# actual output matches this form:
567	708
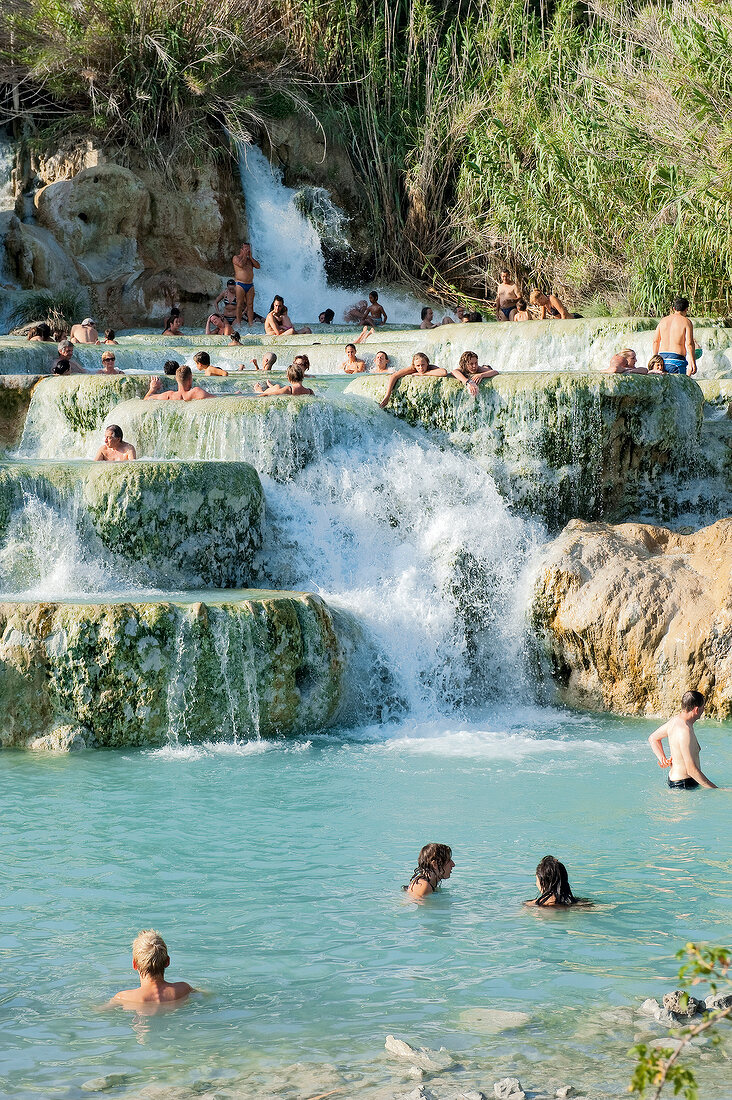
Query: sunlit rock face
565	445
630	617
106	674
171	524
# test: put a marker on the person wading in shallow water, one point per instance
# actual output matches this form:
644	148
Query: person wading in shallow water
684	749
150	959
434	864
674	341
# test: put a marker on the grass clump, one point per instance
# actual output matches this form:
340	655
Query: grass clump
60	309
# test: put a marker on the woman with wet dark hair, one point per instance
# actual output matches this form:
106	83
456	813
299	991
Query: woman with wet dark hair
552	883
434	864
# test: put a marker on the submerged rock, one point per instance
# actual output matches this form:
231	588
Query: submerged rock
490	1021
566	445
431	1061
62	739
717	1002
509	1088
630	616
242	664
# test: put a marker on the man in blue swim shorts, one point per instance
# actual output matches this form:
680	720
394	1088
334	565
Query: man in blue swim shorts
244	264
674	340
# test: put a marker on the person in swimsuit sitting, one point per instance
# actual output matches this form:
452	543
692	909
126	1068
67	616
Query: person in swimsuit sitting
295	375
552	883
150	959
507	295
674	341
684	749
420	365
174	325
470	374
218	326
114	449
434	864
548	306
278	323
108	364
352	365
244	264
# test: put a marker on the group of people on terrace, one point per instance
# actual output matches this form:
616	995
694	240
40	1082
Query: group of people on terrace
435	865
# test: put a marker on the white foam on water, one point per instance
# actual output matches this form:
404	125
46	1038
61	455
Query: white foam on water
288	246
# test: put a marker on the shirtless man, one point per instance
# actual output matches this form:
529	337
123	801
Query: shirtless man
375	313
150	959
114	449
508	293
203	363
673	340
548	306
244	264
85	333
426	315
186	390
685	773
268	361
66	364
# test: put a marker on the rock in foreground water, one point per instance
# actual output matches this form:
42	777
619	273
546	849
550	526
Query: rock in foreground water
631	617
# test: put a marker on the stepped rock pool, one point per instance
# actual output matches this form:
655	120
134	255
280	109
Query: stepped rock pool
273	869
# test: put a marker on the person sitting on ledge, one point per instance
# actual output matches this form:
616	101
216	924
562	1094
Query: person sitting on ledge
278	323
66	364
109	336
548	306
375	313
186	390
434	865
656	365
174	325
352	365
552	883
150	959
203	363
85	333
470	374
268	361
685	772
216	325
381	363
295	375
521	313
114	449
108	361
420	365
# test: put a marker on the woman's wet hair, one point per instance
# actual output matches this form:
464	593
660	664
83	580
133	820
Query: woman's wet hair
420	355
295	373
236	337
433	858
553	882
277	298
303	360
326	317
465	359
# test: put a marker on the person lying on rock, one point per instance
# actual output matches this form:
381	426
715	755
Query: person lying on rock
114	449
268	361
548	306
552	883
683	746
186	390
434	865
420	365
470	374
295	375
150	959
203	363
108	364
66	364
351	364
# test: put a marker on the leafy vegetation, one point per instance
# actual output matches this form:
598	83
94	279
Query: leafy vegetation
658	1067
60	309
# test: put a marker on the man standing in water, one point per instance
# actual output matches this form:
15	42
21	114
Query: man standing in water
244	264
674	340
685	773
507	295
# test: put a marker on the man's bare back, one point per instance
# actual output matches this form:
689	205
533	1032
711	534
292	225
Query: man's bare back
674	338
684	749
152	993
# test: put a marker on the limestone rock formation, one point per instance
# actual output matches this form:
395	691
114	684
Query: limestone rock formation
565	445
239	665
15	397
630	617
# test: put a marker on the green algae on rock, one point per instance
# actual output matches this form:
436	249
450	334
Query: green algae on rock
631	617
116	674
186	525
565	445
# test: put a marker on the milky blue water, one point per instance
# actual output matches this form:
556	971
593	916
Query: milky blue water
274	871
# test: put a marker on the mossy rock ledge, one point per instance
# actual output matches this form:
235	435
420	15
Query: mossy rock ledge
628	618
108	675
566	445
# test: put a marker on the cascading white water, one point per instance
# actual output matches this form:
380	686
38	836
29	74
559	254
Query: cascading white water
288	246
7	162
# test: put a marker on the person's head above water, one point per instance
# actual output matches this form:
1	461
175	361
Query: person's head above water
326	317
269	359
680	305
150	954
692	704
552	883
656	365
619	363
351	348
302	361
202	359
295	372
436	861
469	362
113	432
381	359
170	367
420	362
184	377
427	313
630	357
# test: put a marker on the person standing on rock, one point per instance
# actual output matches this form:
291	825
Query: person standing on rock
685	773
673	340
244	264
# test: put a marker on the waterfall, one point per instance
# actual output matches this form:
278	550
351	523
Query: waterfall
288	245
7	163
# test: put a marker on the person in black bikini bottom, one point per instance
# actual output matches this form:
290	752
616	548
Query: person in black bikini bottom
685	773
